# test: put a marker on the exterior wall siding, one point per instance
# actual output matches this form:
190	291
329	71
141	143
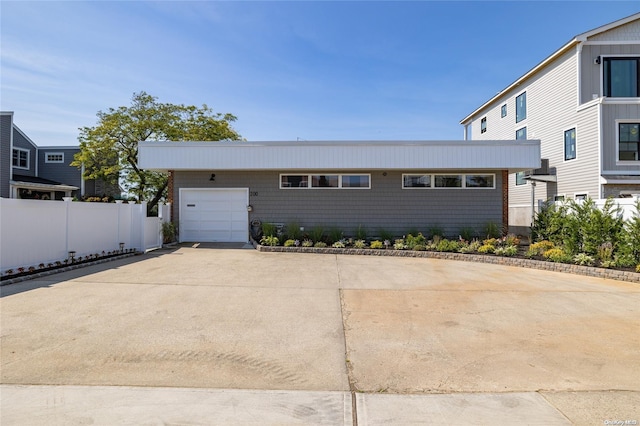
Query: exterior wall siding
591	73
611	113
6	124
385	206
551	109
19	141
59	172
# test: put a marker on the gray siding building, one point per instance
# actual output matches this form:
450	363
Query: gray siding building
30	171
217	189
583	104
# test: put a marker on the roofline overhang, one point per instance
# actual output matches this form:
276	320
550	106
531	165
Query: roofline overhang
508	155
43	186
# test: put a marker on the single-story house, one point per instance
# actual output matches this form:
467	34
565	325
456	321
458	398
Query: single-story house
218	189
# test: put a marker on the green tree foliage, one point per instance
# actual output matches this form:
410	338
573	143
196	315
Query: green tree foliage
109	150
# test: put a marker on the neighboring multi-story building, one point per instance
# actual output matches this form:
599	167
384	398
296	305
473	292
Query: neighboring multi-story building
38	172
583	104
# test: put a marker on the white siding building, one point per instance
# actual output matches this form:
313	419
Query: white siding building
583	104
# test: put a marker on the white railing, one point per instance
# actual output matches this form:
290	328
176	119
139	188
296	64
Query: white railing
35	231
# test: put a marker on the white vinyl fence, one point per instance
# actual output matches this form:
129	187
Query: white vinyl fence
36	231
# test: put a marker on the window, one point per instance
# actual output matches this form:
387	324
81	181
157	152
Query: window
324	181
448	181
558	198
416	181
503	111
521	133
483	125
20	158
628	141
621	77
54	157
347	181
412	181
521	107
570	144
479	181
582	196
356	181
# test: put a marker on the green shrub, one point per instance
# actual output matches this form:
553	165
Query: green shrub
512	240
399	244
269	241
605	252
290	243
307	243
292	231
491	242
630	244
467	234
383	234
320	244
334	234
360	233
269	229
360	244
316	233
583	259
436	231
486	249
508	251
412	241
448	246
169	232
638	268
376	244
419	247
338	244
492	230
538	249
557	255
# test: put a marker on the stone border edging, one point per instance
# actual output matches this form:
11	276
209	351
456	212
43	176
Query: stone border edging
613	274
65	269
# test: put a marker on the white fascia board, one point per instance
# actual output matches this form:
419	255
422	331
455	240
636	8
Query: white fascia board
285	156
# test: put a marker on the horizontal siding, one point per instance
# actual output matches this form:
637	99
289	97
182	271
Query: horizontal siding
611	113
59	172
591	74
6	126
582	174
551	109
20	141
385	206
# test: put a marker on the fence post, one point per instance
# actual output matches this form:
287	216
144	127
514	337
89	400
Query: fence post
67	206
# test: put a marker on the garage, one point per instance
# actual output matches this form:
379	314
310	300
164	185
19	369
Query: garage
214	215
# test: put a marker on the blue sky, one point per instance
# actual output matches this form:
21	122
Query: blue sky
288	70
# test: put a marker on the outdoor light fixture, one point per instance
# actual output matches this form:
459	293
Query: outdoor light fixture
213	177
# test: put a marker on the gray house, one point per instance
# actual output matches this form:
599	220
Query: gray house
29	171
217	189
583	104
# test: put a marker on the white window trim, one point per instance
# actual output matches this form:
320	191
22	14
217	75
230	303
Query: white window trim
47	154
28	158
462	175
564	152
309	181
624	162
580	194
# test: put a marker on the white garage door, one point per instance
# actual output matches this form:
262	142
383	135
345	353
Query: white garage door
214	215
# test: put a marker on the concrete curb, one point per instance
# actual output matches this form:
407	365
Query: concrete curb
613	274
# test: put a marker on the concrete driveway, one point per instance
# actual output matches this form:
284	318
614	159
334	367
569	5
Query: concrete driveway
317	339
